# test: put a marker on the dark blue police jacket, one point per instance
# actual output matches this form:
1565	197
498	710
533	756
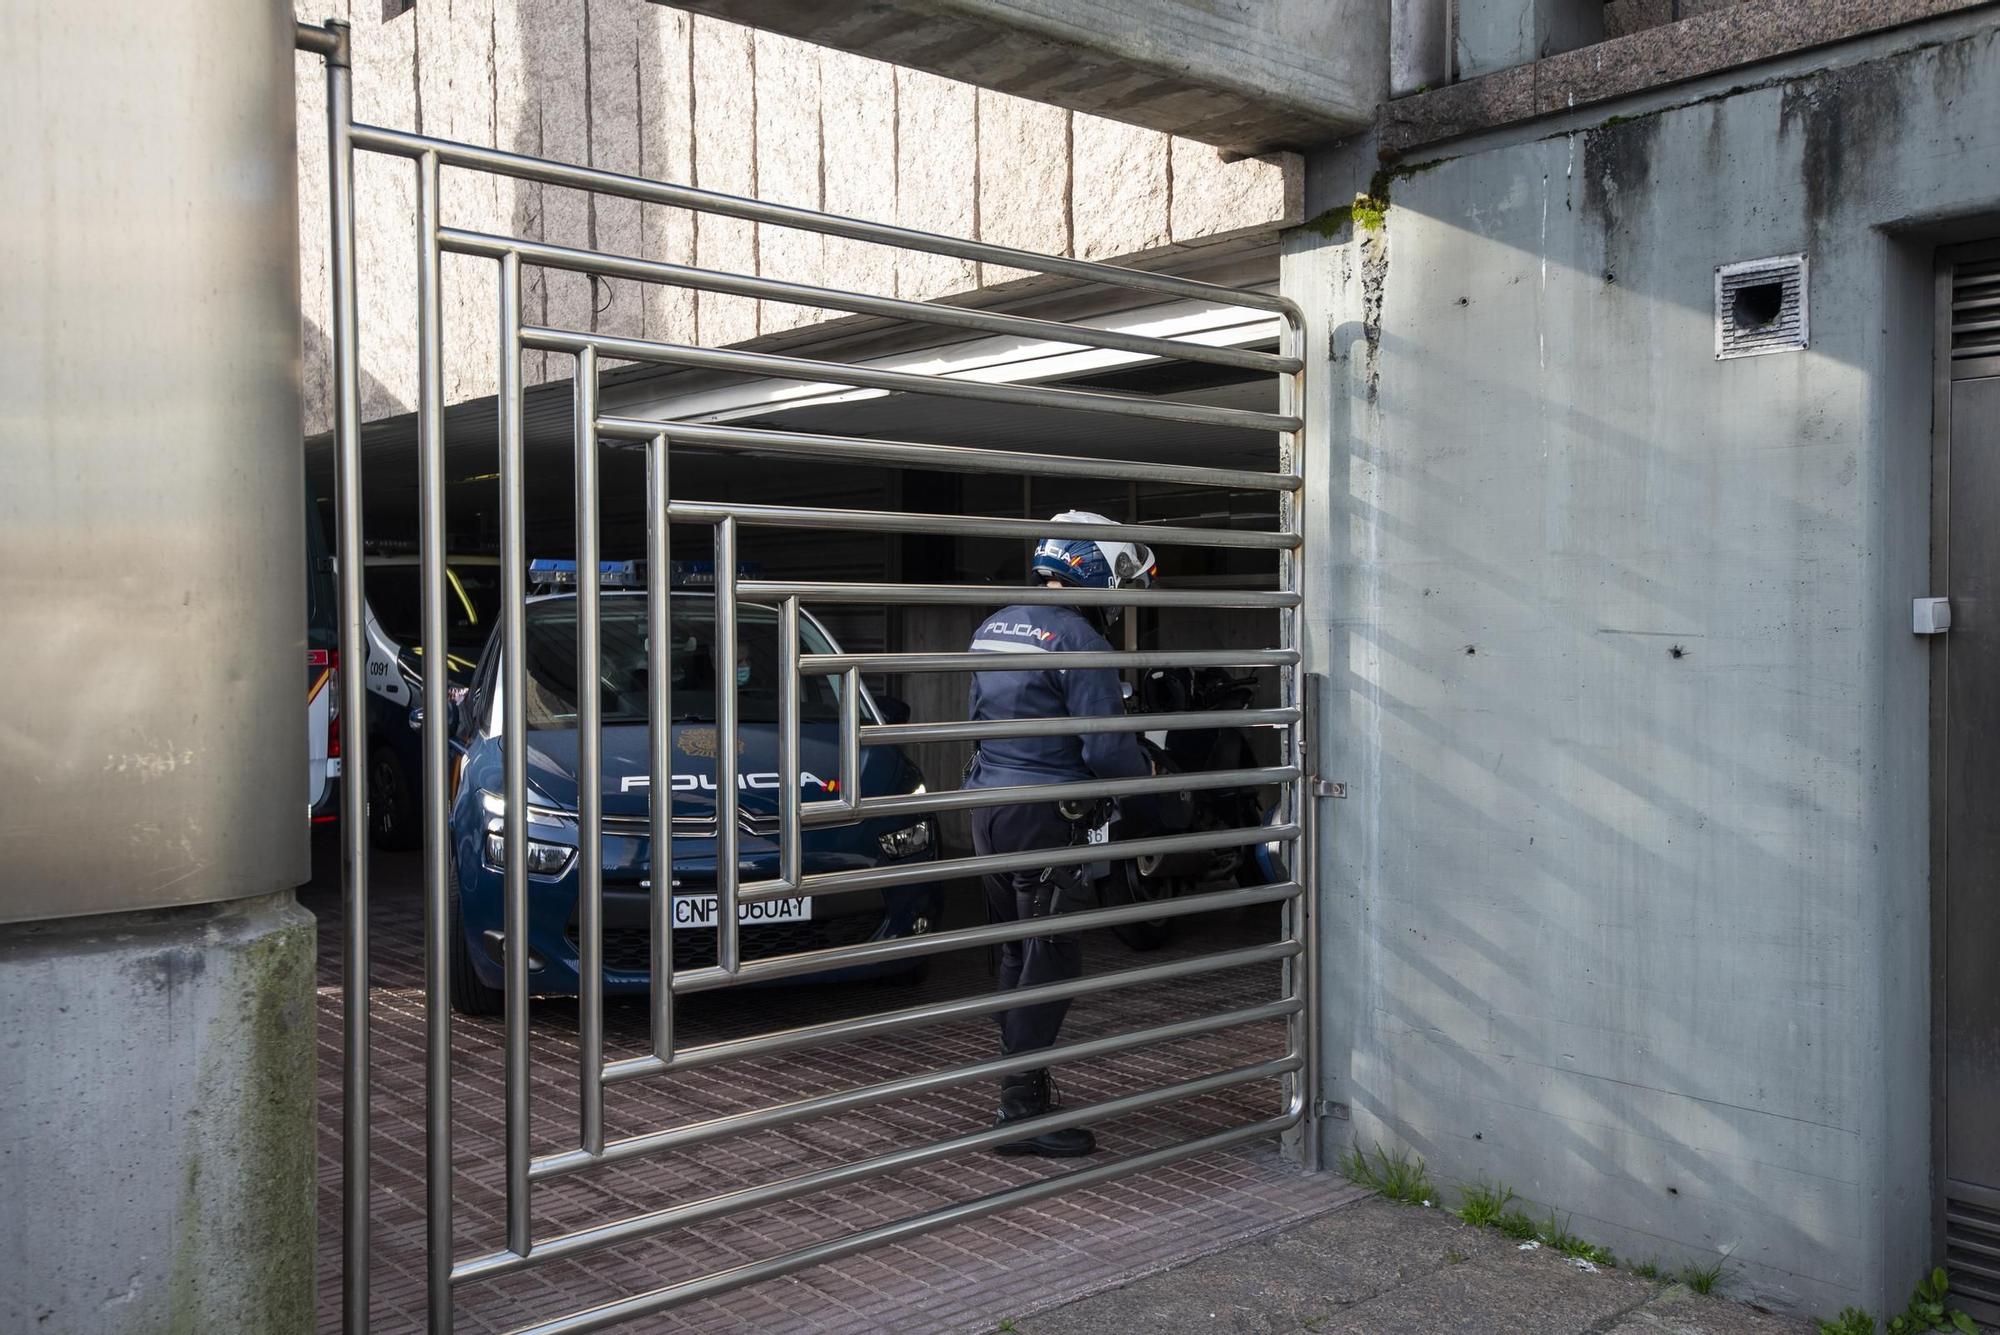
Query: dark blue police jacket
1051	692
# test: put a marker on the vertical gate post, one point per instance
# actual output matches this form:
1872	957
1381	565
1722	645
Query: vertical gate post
156	1136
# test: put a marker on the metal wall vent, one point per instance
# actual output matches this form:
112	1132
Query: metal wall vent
1975	319
1972	1255
1760	306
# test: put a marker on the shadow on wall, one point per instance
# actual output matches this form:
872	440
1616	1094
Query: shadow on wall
1631	910
377	399
1605	919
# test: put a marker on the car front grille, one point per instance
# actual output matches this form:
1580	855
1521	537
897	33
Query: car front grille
762	825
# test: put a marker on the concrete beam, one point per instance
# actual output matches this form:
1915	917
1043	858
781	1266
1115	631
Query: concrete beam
1251	79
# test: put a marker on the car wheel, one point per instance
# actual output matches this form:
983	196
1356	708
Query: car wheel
1126	886
392	808
469	994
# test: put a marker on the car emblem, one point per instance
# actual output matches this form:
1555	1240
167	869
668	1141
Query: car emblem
700	743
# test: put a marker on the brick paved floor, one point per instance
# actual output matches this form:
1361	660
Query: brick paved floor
964	1278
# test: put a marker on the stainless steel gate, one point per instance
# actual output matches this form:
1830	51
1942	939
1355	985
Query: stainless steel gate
450	1275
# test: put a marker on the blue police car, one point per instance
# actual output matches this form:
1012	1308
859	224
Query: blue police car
778	927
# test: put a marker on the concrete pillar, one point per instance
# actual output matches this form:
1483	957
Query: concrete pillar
1500	34
156	1129
1419	45
156	1121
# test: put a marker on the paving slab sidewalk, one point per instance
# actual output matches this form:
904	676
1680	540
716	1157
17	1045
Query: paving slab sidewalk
1377	1268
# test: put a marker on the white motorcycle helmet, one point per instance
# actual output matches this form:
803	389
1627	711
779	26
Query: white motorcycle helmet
1088	563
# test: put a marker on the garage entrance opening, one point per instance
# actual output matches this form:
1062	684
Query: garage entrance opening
686	885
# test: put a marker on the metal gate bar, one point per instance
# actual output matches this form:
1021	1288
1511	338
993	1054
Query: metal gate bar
593	429
595	180
985	1004
942	458
634	1227
659	706
763	1119
603	265
674	1295
780	367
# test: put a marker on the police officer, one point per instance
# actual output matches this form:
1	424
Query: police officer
1051	692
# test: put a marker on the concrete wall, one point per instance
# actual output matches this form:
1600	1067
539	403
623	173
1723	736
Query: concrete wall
1628	909
640	88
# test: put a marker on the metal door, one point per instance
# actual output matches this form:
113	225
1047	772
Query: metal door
517	1246
1968	412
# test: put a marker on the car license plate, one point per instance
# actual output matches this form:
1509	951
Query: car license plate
693	911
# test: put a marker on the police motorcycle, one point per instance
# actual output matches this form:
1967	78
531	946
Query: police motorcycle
1159	878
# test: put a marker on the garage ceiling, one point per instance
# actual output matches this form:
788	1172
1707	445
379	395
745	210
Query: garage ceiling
389	451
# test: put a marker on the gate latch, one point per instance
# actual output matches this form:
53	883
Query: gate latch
1313	700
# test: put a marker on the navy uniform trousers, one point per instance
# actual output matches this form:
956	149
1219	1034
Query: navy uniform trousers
1013	896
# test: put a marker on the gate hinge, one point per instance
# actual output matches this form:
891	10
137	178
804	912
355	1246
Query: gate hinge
1328	788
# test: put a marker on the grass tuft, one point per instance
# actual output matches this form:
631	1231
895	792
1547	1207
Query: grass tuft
1483	1205
1400	1176
1703	1279
1558	1236
1646	1269
1851	1321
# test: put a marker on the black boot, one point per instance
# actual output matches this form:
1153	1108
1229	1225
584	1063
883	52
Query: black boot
1029	1094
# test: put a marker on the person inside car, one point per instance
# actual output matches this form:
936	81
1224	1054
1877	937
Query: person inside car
1052	692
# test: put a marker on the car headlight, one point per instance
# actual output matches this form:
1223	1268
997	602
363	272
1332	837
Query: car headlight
544	859
907	842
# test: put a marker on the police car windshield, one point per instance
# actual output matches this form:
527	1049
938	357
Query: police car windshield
471	600
622	678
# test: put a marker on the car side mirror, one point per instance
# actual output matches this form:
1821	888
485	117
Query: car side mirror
450	717
892	709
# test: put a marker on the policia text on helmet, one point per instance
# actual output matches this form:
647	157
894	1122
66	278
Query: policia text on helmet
1051	692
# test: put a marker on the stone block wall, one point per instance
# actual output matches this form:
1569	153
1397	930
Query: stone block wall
636	87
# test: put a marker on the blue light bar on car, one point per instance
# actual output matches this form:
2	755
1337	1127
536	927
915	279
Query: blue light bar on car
610	574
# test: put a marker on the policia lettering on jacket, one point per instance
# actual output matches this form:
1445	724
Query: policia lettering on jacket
1048	693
